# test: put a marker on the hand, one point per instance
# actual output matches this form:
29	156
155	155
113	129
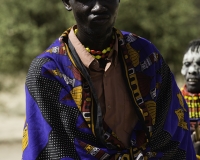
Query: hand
196	142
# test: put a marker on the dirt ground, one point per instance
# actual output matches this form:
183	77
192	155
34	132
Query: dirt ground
10	151
12	109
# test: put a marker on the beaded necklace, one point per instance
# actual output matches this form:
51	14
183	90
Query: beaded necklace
193	102
100	54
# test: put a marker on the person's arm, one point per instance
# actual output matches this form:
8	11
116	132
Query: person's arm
165	111
196	143
50	112
40	99
55	128
171	133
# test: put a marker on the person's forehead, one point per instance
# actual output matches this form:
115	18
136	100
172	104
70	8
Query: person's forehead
191	54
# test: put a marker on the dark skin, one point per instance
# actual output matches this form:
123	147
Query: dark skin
95	20
191	72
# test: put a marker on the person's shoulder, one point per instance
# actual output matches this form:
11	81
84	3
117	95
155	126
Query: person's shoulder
136	39
139	43
54	54
55	48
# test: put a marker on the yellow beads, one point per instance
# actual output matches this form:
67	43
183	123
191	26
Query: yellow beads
87	49
75	31
99	54
193	103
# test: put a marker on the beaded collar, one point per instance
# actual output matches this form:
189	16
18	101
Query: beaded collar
193	102
100	54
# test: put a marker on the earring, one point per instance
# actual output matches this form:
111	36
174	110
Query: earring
68	8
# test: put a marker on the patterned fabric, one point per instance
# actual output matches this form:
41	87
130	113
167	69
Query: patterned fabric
62	116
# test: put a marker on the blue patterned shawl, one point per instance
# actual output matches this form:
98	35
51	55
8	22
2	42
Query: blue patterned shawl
63	121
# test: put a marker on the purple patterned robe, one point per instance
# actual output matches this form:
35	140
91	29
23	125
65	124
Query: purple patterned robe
63	121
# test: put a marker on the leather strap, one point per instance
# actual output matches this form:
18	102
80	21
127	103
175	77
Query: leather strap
99	131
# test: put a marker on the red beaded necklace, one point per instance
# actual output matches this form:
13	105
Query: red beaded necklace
100	54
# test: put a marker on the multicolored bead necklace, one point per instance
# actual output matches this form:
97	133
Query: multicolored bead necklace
193	102
100	54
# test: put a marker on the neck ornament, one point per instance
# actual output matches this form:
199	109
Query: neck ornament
193	102
100	54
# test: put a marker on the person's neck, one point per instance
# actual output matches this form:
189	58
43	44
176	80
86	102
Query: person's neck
94	41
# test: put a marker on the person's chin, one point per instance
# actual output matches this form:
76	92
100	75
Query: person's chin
193	88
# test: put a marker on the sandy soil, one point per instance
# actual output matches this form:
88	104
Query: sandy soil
10	151
12	109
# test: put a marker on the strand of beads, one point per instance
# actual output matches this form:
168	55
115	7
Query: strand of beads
99	54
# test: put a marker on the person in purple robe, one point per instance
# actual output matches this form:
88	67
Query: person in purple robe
100	93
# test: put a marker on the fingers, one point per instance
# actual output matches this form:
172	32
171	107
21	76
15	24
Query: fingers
194	137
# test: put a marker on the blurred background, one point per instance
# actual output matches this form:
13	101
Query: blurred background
27	28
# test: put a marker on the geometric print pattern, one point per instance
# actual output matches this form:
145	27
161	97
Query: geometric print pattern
66	139
160	137
162	102
61	118
181	154
173	152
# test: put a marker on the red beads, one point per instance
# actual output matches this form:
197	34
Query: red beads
100	54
